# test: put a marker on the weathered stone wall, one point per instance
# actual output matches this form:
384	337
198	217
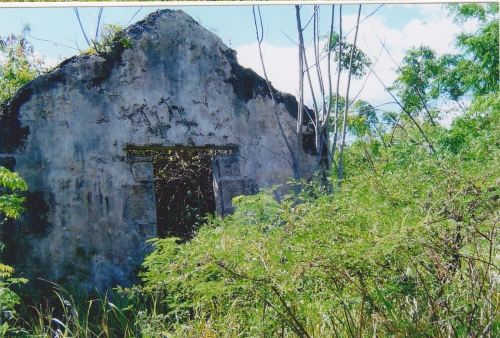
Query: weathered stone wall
91	206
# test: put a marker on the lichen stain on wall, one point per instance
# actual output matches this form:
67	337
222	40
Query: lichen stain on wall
91	206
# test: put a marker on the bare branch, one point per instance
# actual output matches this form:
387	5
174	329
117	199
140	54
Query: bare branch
368	75
278	155
81	26
312	16
271	91
289	38
261	27
301	91
327	117
414	87
375	11
98	23
55	43
315	119
340	174
133	16
405	111
316	35
328	54
398	124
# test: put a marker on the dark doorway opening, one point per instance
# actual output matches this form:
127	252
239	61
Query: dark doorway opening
184	191
184	188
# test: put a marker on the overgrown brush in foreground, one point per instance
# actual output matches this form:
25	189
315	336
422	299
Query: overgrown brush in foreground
408	247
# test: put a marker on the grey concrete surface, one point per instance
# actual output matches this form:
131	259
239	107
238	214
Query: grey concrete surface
91	206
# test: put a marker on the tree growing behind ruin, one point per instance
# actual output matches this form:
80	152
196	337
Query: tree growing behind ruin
18	63
408	246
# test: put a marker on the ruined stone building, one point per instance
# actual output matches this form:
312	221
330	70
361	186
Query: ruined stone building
91	205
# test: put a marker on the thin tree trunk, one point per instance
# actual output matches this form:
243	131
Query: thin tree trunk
316	34
326	122
81	26
301	92
314	118
340	174
339	69
98	23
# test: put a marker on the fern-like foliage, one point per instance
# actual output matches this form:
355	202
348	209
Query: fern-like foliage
5	271
11	180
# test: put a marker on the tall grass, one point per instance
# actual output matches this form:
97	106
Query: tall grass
79	314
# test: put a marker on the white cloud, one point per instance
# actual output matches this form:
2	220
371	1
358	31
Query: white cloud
46	62
282	62
450	110
436	34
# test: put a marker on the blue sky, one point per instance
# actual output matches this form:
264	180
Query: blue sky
400	26
235	22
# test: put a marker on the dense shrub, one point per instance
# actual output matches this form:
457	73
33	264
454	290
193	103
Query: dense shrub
404	250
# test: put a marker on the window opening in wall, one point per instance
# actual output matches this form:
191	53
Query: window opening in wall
184	190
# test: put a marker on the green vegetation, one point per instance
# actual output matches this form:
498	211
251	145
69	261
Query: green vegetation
425	78
183	189
360	60
10	203
108	35
10	207
408	246
18	65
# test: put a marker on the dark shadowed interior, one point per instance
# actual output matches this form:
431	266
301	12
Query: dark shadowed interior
184	191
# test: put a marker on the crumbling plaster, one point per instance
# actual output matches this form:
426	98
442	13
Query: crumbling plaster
90	205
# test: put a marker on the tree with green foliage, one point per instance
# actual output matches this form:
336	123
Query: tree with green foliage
424	78
478	66
17	67
408	247
105	39
11	203
18	63
10	207
420	67
360	62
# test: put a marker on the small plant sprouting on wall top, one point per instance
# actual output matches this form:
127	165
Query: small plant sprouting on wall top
108	35
127	43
